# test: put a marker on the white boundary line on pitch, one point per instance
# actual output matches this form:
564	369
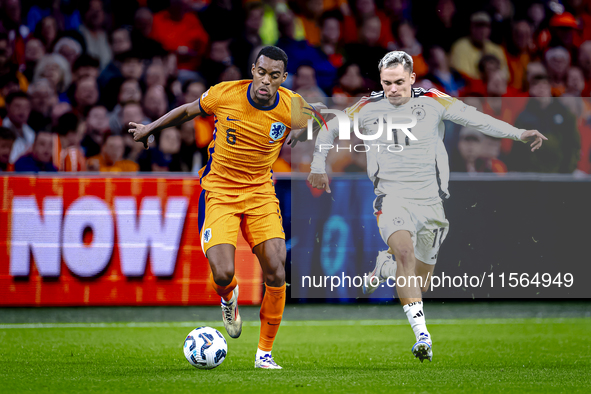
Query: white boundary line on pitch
287	323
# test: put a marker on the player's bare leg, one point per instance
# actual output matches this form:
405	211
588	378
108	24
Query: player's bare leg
221	261
408	287
425	271
271	255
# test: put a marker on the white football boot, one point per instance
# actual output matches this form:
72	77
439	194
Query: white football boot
230	315
385	267
423	349
266	362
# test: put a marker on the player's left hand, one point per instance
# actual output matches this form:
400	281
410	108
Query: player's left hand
141	133
535	136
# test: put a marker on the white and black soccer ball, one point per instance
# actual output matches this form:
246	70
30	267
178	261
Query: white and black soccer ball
205	348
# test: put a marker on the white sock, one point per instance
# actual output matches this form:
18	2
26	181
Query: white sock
416	318
261	354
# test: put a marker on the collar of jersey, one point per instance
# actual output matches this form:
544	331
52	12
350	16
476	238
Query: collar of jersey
257	106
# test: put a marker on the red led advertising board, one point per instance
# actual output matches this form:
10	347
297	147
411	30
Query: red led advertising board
108	241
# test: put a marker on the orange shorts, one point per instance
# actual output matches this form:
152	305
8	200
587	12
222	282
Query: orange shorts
221	215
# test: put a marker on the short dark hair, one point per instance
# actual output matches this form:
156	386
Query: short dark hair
273	53
7	134
66	124
85	60
14	95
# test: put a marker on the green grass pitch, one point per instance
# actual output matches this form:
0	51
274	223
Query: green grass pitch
470	355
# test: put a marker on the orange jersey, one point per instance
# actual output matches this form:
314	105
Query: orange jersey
247	138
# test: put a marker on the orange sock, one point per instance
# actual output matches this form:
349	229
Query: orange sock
271	314
223	291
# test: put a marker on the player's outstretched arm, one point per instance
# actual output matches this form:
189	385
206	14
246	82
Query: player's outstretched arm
173	118
535	136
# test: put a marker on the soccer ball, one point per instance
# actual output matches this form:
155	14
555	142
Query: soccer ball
205	348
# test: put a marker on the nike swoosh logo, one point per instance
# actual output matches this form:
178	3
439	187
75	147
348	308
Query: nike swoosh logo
271	324
232	120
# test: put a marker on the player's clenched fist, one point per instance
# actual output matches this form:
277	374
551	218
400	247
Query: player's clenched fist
319	181
140	132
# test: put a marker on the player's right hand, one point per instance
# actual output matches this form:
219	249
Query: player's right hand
319	181
140	132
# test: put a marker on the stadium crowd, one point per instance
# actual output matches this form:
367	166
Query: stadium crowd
73	74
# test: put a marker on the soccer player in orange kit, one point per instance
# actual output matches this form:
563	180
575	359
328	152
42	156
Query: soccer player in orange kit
252	121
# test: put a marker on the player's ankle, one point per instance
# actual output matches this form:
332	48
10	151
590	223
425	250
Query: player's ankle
262	353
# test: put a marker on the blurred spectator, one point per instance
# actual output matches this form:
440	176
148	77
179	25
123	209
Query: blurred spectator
519	52
555	121
18	108
192	90
127	65
300	52
67	152
58	110
120	41
7	68
43	98
56	70
129	92
140	34
218	59
69	48
8	84
502	12
305	84
467	51
85	67
155	104
443	28
191	157
231	73
131	112
330	37
310	19
39	160
97	124
364	11
86	95
111	157
367	53
441	74
557	63
231	13
10	22
249	39
407	42
47	31
358	163
68	16
477	153
585	65
34	51
350	82
180	31
487	65
166	157
562	32
155	75
7	138
95	36
575	83
581	108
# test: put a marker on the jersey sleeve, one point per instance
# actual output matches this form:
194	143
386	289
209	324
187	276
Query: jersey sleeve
210	99
465	115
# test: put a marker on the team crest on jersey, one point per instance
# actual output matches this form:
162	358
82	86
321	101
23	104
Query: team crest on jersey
398	221
207	235
419	112
277	131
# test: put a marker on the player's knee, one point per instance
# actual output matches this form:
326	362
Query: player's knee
276	276
223	276
405	255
